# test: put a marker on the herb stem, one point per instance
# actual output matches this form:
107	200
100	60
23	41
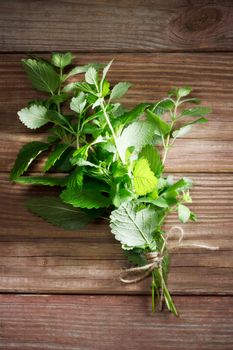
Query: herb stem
111	128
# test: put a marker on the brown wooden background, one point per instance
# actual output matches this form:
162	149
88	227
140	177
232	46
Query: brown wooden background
60	290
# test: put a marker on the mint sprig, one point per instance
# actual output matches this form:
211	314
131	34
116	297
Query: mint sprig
109	157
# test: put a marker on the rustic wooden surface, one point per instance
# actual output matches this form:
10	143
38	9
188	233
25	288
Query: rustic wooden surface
123	25
156	45
113	322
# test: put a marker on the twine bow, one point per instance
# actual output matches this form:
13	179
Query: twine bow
154	259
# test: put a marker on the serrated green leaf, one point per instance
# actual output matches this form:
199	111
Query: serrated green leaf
61	60
183	91
57	213
83	69
78	103
132	227
43	77
91	76
182	131
152	155
137	135
42	180
119	90
183	213
55	155
130	116
196	111
159	124
33	117
92	195
26	156
181	184
75	179
144	179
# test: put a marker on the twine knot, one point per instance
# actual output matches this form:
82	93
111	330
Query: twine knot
137	274
154	259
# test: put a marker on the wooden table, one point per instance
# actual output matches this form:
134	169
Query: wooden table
60	289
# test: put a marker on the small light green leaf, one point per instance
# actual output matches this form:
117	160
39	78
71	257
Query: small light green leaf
61	60
57	213
119	90
159	124
78	103
143	178
152	155
91	76
183	213
33	117
133	227
182	131
105	71
196	111
43	77
181	184
83	69
92	195
186	128
55	155
26	156
183	91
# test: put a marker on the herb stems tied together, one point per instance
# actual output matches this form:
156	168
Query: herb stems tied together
105	158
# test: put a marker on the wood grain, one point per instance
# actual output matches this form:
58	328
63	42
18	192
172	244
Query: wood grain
152	76
38	257
81	322
116	25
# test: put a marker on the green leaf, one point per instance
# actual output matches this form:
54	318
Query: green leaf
61	60
152	155
196	111
55	155
26	156
43	77
137	135
57	213
119	90
183	213
91	76
160	125
182	131
105	71
186	128
75	179
132	227
183	91
42	180
143	178
92	195
182	184
82	69
130	116
33	117
78	103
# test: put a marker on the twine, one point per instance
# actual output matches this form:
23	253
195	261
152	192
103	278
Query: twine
154	259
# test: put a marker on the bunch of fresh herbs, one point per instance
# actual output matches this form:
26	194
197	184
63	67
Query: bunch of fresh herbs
106	158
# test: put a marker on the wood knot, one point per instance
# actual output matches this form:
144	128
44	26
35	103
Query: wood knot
196	23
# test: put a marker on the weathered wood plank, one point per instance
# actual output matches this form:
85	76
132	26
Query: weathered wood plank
152	76
116	26
38	257
212	202
77	322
